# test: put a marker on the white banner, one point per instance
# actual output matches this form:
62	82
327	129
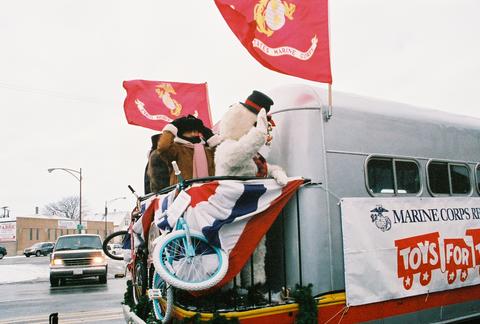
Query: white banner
8	231
68	224
287	50
400	247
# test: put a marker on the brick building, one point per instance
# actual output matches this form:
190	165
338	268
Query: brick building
38	228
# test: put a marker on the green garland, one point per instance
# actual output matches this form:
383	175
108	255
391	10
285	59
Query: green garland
216	319
128	296
195	319
307	305
145	311
144	308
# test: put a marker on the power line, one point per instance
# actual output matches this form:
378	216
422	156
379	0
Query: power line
55	94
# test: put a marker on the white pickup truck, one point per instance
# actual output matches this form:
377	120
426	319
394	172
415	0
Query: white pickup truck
77	256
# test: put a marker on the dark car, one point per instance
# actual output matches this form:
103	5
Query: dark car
38	249
78	256
3	252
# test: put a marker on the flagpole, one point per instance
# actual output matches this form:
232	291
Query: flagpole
330	107
208	105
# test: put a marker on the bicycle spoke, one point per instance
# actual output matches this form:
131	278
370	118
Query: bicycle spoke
202	267
201	275
192	269
189	262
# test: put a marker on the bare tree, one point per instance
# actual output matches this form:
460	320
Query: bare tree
67	207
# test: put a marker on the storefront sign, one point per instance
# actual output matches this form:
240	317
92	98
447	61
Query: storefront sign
8	231
399	247
68	224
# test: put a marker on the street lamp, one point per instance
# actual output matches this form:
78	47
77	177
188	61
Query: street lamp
78	176
106	210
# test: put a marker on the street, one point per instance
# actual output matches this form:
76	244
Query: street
78	301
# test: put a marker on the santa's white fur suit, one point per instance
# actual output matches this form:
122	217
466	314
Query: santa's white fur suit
241	141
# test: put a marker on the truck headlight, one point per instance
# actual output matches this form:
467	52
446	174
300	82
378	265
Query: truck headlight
98	260
57	261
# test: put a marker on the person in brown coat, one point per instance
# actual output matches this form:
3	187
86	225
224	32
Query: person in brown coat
191	144
157	174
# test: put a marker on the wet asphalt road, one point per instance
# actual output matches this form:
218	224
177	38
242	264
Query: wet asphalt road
77	301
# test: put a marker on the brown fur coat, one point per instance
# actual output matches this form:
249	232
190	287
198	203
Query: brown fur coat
170	150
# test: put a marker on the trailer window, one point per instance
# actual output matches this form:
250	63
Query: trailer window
477	171
460	179
438	178
408	177
380	176
392	177
448	178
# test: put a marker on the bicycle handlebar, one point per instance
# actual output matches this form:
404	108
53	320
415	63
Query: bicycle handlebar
133	191
175	168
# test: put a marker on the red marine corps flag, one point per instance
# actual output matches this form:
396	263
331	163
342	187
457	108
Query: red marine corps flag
289	36
153	104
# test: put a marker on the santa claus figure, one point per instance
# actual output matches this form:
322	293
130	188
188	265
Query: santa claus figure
244	130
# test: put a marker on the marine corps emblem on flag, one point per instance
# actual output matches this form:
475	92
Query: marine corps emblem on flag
270	15
287	36
164	90
153	104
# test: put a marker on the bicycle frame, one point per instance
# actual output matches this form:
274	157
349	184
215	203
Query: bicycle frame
179	253
181	223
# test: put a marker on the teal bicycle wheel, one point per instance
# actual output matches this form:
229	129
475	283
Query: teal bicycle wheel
161	296
200	268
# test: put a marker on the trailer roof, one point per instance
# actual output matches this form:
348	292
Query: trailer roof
305	96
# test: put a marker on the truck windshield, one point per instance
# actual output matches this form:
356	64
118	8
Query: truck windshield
78	243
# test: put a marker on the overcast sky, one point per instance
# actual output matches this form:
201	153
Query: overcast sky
62	64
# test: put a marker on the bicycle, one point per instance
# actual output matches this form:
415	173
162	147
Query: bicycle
137	263
184	258
160	294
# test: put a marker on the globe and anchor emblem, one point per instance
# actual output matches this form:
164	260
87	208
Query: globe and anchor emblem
382	222
271	15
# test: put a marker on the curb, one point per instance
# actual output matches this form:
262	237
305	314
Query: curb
131	317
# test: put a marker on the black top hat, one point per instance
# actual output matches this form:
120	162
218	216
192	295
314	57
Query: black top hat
256	101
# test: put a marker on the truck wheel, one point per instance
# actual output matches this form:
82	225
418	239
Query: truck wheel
27	255
102	279
38	253
1	255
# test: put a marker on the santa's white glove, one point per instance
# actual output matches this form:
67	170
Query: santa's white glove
278	174
262	123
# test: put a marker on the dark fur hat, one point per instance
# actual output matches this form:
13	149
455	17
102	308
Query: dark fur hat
188	123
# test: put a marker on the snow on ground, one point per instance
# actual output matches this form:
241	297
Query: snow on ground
10	273
14	257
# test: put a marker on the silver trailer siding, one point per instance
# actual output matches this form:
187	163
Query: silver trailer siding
333	153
